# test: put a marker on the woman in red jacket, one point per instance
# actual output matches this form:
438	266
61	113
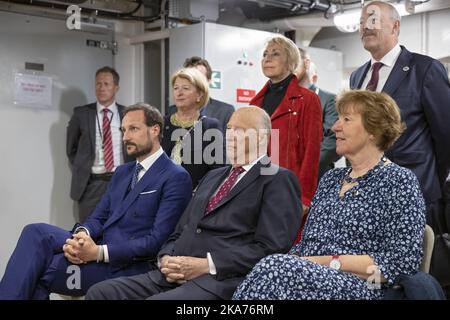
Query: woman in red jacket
296	114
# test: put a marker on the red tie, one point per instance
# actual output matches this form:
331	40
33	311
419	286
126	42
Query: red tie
107	142
373	82
224	189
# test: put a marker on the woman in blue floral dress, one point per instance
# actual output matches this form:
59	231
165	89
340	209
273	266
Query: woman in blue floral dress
366	222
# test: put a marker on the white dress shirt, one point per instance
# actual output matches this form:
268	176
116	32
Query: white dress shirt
116	135
388	61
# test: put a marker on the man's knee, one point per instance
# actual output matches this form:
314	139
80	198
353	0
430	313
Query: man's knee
33	229
97	291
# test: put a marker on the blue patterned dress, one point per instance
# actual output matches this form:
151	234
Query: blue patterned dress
383	216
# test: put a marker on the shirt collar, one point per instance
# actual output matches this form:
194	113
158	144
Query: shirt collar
112	107
247	167
150	160
390	57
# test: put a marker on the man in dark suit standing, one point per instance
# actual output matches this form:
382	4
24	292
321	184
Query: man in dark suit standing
214	108
419	84
305	73
238	215
94	145
136	215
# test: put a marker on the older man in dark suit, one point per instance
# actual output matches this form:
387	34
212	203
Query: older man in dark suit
238	215
94	145
214	108
420	86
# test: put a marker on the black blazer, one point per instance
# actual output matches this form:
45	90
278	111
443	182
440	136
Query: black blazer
214	109
420	86
260	216
196	150
328	153
80	146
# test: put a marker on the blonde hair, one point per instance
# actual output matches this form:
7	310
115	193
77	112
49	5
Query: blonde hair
291	49
197	79
379	112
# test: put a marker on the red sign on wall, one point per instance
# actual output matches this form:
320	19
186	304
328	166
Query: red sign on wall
244	95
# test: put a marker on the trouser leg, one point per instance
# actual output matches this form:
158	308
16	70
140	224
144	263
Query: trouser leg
137	287
91	196
34	252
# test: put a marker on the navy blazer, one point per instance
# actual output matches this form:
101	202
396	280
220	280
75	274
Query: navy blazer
198	164
260	216
136	223
420	86
420	286
214	109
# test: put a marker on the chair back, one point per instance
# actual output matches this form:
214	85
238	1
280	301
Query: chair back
428	244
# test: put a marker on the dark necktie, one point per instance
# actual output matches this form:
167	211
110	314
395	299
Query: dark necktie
135	179
224	190
107	142
373	82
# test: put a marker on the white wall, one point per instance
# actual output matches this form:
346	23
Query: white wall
35	176
129	63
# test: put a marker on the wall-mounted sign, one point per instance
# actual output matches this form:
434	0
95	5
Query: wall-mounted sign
32	90
216	80
244	95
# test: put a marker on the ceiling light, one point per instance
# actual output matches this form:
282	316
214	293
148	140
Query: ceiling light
348	21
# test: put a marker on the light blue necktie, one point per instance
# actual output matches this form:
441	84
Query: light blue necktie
135	179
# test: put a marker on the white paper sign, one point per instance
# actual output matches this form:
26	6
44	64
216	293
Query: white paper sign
32	90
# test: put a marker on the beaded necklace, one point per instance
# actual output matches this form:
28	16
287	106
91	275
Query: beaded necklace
349	179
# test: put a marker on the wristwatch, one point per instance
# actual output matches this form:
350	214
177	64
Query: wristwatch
335	263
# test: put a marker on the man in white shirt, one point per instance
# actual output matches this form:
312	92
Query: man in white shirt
94	143
419	85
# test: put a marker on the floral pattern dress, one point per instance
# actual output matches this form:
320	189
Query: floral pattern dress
383	216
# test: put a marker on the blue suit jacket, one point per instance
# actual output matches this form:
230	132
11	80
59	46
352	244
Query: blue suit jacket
419	84
136	223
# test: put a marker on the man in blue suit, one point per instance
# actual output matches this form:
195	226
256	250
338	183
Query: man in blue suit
420	86
136	215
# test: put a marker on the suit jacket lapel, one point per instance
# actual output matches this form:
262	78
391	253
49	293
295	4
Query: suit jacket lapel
92	119
151	177
399	71
249	177
212	187
284	108
361	75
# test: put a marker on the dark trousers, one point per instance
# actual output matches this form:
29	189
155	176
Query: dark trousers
436	216
94	191
38	267
142	287
447	204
